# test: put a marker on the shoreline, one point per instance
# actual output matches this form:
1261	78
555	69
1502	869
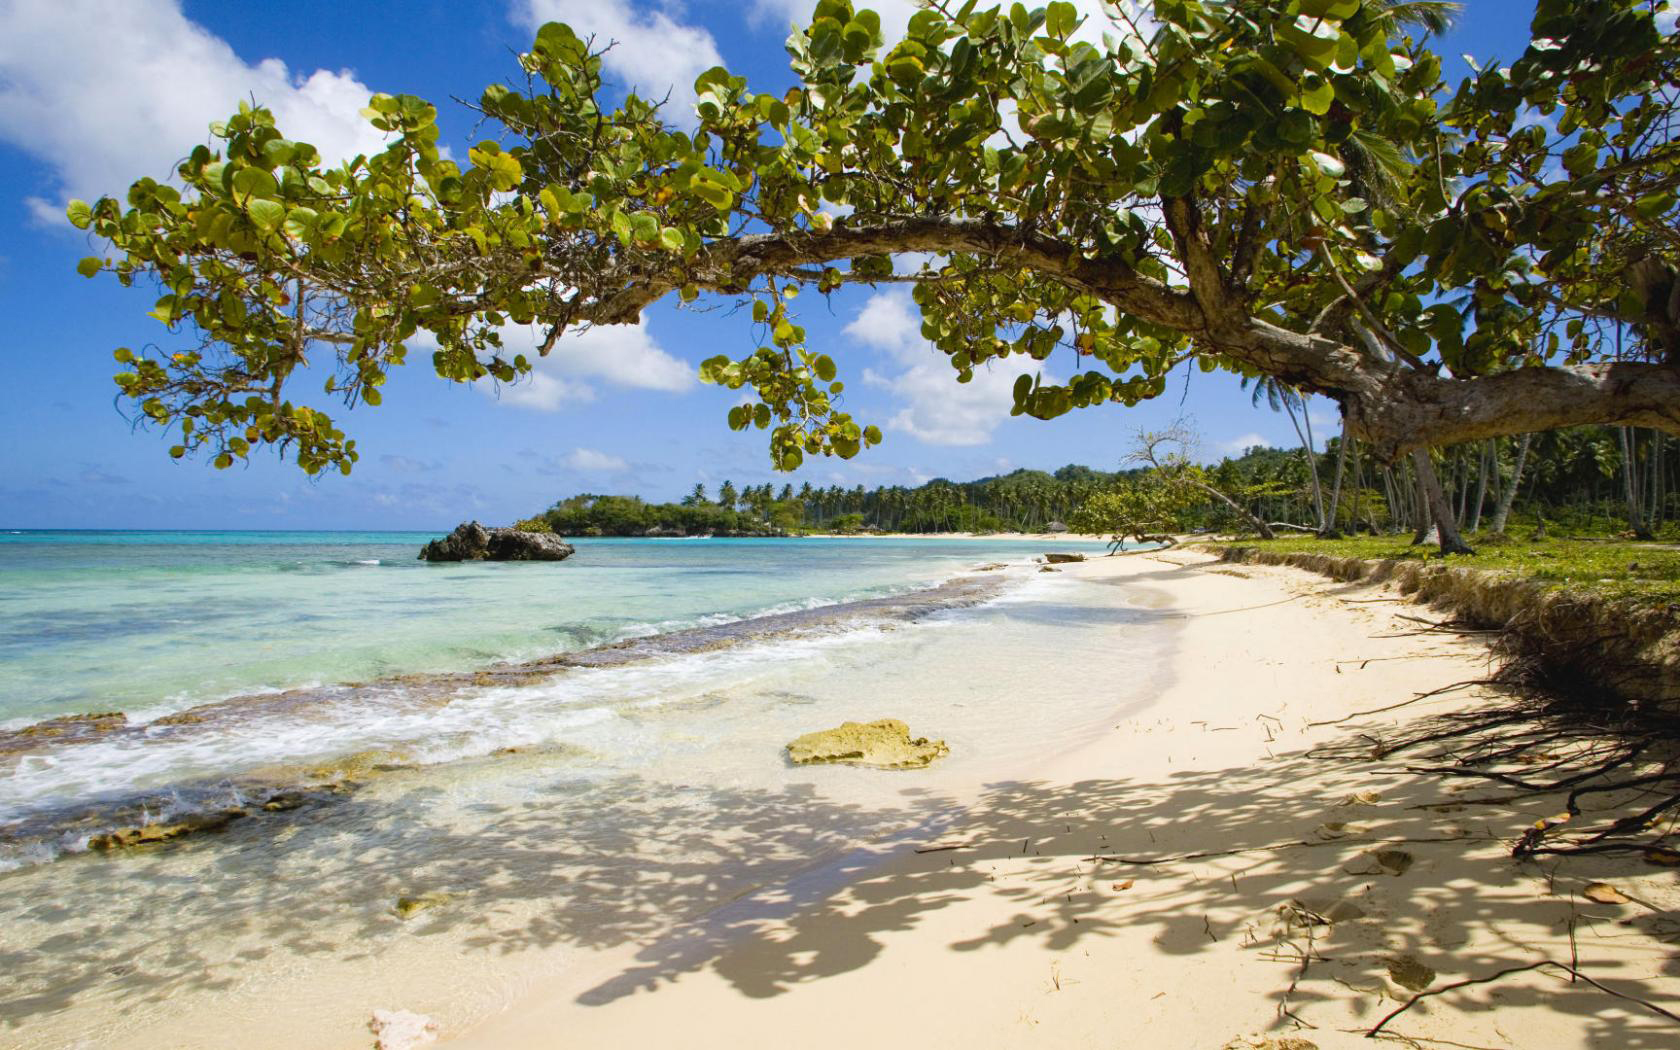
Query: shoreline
1050	911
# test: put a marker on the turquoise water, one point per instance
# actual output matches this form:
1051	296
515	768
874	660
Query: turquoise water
154	622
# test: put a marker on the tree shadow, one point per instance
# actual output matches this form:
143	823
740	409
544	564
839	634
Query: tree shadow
774	889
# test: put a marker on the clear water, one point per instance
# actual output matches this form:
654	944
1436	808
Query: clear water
153	622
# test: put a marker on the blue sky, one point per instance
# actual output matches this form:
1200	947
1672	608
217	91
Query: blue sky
94	94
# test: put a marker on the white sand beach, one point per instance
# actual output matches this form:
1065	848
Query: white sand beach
1329	899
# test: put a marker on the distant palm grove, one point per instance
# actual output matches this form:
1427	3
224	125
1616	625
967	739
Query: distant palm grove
1585	479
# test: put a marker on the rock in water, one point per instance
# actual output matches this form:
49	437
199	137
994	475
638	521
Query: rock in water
1059	559
885	744
402	1029
475	542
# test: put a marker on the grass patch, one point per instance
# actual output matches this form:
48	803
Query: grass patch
1647	572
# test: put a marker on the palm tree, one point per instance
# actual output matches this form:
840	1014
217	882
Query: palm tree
1280	396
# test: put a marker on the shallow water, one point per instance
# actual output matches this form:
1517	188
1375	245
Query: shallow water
561	816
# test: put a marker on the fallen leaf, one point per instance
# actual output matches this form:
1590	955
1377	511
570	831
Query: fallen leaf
1604	893
1552	821
1662	857
1123	885
1362	798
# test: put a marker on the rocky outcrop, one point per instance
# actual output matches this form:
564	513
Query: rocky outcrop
885	744
475	542
152	834
1062	559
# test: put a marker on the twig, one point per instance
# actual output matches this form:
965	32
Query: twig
1403	703
1508	971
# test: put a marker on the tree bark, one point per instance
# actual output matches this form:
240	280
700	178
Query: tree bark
1489	452
1435	501
1630	484
1508	495
1333	525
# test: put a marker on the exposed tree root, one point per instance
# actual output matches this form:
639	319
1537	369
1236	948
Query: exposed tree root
1573	972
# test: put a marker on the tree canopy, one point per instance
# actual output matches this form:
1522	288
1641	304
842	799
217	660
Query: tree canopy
1282	188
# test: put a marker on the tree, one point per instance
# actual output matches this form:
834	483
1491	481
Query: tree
1280	397
1274	187
697	498
1167	453
727	496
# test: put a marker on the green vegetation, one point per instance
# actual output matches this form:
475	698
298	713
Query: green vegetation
1647	571
1276	188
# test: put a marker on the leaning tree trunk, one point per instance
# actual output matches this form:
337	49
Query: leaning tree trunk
1508	495
1446	527
1488	452
1258	524
1330	526
1307	448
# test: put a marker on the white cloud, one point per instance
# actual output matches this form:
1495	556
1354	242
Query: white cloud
619	355
1238	445
104	93
652	53
588	459
936	408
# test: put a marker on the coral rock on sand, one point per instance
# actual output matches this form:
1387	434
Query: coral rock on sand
402	1029
474	542
1058	559
408	907
1260	1042
885	744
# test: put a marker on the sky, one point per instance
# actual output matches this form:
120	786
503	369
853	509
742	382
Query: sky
96	93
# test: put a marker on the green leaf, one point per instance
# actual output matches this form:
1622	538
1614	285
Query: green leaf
79	214
712	193
1318	99
823	366
268	215
90	266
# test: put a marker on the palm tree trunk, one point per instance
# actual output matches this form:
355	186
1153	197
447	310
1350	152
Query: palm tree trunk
1488	453
1508	495
1630	485
1307	448
1435	500
1336	486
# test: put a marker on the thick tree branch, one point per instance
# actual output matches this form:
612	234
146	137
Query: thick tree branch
728	266
1393	407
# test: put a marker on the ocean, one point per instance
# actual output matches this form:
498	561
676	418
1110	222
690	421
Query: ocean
558	758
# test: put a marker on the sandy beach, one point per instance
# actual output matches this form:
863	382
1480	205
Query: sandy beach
1161	823
1051	911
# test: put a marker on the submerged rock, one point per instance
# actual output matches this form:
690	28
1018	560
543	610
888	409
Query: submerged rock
885	744
474	542
408	907
99	722
150	834
1060	559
